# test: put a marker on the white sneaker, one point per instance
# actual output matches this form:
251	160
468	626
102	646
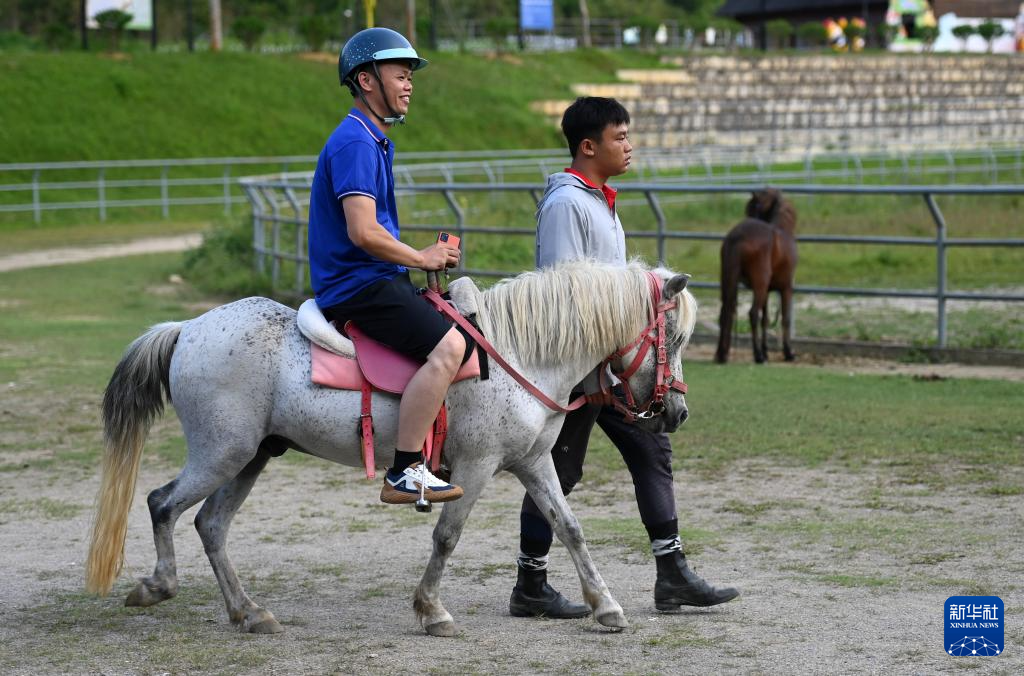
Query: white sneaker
404	488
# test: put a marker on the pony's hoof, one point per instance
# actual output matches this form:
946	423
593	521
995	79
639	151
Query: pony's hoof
270	626
615	620
142	596
445	628
261	622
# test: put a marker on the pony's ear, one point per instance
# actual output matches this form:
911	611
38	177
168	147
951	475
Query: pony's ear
675	285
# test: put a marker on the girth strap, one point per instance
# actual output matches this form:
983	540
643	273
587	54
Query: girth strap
366	428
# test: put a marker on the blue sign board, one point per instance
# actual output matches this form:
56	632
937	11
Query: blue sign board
537	15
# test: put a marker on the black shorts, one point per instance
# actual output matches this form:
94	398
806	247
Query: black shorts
391	312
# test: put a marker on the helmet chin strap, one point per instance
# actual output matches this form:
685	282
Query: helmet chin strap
394	118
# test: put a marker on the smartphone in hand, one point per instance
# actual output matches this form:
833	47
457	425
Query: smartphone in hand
450	240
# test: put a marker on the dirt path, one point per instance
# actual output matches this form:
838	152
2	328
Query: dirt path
65	255
839	573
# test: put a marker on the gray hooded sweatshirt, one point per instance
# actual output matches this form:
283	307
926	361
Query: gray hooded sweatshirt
574	221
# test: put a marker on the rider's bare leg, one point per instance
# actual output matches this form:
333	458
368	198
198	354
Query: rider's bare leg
427	389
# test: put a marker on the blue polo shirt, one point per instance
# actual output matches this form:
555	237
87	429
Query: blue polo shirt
356	160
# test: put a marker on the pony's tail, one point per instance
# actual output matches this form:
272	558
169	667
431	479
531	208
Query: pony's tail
730	283
133	398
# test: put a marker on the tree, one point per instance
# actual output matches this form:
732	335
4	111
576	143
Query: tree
990	31
585	22
928	35
779	31
249	29
315	30
113	22
963	32
216	27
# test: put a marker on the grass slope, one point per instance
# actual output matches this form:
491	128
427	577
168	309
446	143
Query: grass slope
75	106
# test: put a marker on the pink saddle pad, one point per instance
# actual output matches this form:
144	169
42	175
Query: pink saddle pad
333	370
386	369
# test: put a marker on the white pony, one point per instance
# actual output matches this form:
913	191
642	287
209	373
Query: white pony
239	379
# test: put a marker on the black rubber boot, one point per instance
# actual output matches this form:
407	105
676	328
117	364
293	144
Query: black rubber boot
677	585
534	597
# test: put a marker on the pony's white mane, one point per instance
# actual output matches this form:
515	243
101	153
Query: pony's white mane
582	307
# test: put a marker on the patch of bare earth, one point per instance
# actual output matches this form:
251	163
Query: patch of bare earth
840	573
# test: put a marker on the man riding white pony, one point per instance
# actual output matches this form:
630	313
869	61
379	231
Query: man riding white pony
358	266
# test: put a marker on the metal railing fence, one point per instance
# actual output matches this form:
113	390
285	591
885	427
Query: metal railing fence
282	200
104	186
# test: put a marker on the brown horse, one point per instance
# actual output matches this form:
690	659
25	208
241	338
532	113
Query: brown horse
760	252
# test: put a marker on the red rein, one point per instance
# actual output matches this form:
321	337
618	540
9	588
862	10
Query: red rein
652	335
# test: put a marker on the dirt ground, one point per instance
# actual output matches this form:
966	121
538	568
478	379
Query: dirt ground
839	574
65	255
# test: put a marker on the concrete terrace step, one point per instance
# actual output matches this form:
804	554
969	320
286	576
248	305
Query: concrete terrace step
865	63
817	99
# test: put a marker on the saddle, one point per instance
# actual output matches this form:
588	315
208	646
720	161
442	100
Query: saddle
354	361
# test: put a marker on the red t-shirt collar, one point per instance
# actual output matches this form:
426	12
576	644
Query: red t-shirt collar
609	192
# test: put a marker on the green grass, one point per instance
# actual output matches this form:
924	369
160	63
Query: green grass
79	106
61	333
921	432
63	329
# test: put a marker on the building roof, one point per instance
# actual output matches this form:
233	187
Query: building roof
1003	9
965	8
747	8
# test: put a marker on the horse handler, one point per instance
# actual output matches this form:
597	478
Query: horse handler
359	267
576	219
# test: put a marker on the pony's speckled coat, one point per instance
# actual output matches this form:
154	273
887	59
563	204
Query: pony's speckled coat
239	379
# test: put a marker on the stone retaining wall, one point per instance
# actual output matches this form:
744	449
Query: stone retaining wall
822	101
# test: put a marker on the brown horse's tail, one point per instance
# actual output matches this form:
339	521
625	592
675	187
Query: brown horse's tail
133	398
730	282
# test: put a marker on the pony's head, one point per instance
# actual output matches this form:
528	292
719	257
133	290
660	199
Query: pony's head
588	310
670	410
769	206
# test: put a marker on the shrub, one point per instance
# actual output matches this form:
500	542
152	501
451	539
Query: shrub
812	34
113	22
249	29
779	32
928	35
58	36
225	262
991	31
854	31
498	29
963	32
315	30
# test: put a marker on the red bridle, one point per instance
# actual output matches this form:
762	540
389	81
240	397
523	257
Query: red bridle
652	335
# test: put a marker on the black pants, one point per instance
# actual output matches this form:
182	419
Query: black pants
391	312
648	458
